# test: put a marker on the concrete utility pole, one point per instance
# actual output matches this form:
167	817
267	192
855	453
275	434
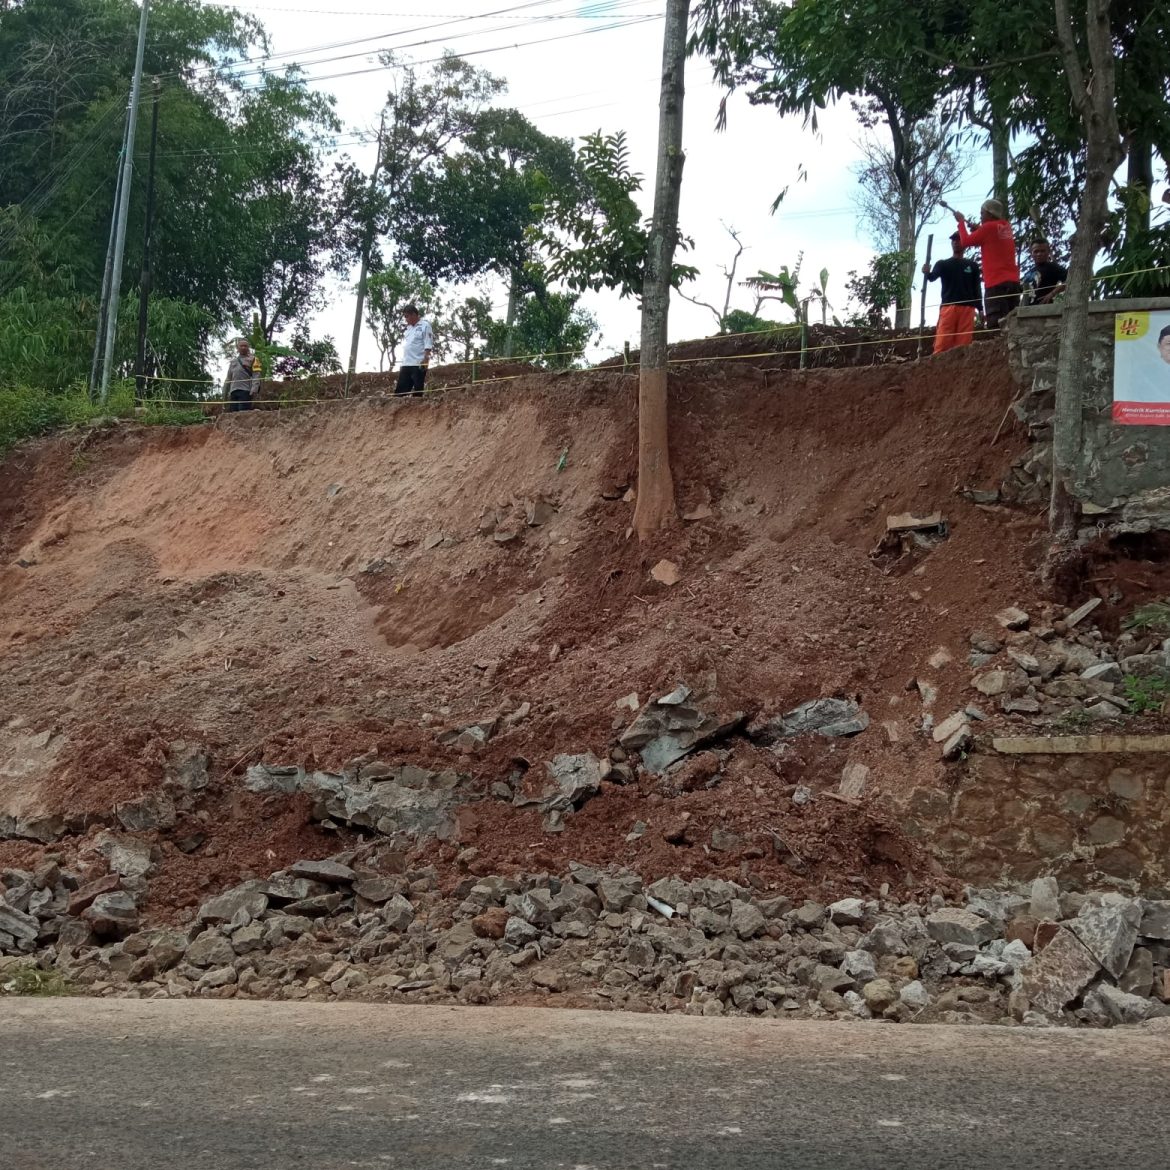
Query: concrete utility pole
363	277
123	209
107	274
144	280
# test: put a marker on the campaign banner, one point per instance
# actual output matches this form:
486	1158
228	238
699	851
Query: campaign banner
1141	369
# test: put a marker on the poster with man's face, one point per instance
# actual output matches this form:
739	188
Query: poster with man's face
1141	369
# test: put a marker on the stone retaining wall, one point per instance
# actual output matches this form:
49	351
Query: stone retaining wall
1125	481
1093	820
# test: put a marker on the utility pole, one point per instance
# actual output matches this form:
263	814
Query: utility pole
145	278
107	274
367	247
123	209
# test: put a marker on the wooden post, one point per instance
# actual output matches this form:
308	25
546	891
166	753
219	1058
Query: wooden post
925	282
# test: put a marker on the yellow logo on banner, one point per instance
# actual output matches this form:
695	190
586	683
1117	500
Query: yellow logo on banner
1130	326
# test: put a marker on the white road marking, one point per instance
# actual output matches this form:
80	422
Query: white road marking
729	1130
485	1098
889	1124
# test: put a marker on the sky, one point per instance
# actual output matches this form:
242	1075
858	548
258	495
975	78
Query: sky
595	76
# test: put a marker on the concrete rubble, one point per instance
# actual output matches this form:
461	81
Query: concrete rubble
362	926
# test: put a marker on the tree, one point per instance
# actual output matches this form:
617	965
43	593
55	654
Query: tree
1087	52
897	199
477	213
424	116
390	290
876	290
305	358
802	55
283	232
548	328
467	323
728	271
655	507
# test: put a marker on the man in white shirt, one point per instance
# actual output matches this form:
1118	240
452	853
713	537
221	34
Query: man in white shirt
417	346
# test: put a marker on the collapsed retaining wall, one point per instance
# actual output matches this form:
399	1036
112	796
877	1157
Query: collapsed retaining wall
1125	476
1092	818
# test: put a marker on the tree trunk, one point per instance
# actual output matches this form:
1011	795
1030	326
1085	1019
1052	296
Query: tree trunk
1139	174
907	240
655	507
999	160
364	273
1093	98
906	246
510	315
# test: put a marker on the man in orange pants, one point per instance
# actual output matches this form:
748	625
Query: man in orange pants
961	296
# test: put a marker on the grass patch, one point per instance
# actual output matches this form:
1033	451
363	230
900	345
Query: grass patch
158	414
1073	721
26	412
1152	618
33	981
1146	694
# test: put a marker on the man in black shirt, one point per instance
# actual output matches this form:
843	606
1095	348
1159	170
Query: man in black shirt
962	294
1046	276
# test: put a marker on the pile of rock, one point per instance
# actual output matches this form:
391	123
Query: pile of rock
354	928
1059	673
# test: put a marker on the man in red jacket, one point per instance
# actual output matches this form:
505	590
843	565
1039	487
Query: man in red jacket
997	252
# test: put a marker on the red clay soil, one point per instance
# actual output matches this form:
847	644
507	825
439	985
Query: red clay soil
207	584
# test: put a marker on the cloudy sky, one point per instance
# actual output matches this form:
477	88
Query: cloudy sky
571	71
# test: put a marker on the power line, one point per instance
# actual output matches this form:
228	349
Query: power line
366	53
250	8
310	80
610	8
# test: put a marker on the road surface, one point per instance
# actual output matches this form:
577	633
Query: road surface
132	1085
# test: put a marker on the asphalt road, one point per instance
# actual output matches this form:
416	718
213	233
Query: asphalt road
131	1085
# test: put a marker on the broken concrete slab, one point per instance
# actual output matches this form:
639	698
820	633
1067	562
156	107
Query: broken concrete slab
1079	614
854	779
1059	973
952	723
909	522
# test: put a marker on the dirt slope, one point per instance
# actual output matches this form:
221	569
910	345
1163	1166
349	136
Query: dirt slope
310	586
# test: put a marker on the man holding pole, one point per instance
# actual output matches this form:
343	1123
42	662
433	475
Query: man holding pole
997	250
961	296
